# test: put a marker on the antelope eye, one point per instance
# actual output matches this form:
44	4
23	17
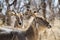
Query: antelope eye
34	11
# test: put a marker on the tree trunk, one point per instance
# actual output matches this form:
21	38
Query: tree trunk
43	8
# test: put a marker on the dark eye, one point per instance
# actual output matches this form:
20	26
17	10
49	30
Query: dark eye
34	11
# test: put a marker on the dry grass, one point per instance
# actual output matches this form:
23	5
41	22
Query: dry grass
52	33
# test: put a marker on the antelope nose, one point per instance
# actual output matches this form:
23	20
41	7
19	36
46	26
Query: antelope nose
49	26
19	23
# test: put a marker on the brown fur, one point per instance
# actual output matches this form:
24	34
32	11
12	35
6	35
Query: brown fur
33	32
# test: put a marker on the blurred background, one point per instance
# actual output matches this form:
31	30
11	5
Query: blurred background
48	9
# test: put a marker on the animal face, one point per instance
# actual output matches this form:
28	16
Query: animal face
38	25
